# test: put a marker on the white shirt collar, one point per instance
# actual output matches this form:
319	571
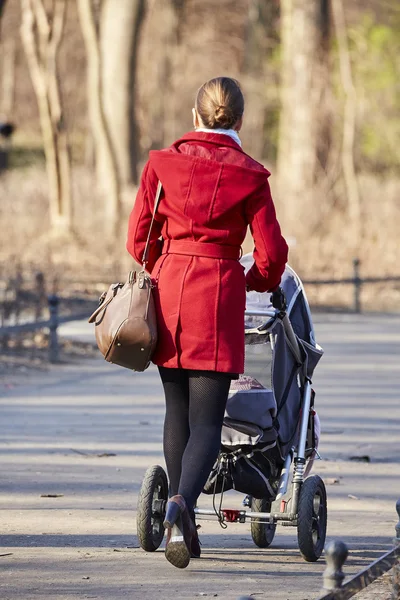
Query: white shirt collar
231	132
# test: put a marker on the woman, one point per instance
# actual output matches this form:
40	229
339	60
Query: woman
212	191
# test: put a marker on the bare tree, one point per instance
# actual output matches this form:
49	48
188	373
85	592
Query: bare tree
8	61
120	25
41	34
349	118
302	37
111	30
106	166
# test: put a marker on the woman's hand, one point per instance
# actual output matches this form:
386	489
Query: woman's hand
278	299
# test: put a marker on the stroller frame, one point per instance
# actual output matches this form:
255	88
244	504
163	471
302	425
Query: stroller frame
295	456
301	504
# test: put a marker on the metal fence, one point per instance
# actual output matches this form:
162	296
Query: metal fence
51	324
24	302
356	281
336	553
15	296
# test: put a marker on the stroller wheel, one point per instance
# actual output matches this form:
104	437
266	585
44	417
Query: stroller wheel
262	533
312	518
153	497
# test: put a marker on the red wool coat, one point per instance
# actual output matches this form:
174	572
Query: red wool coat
212	191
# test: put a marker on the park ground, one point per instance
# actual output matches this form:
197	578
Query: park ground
77	438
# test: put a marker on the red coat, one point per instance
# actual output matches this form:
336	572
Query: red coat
212	191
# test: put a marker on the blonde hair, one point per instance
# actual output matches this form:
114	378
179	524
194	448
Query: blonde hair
220	103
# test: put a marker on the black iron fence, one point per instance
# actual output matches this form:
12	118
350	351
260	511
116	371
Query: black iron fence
26	307
51	324
23	304
356	281
336	553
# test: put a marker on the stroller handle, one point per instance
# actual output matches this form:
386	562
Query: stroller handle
290	335
262	313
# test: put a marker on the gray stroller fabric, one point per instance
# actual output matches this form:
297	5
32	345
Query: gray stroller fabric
269	359
261	424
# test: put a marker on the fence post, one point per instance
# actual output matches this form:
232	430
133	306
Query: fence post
336	553
396	568
357	285
40	288
53	337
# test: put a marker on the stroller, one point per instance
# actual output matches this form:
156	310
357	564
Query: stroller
270	424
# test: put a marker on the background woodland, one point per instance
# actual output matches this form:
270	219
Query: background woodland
92	85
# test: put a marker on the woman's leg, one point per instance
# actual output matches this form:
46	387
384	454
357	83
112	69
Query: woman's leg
176	424
208	396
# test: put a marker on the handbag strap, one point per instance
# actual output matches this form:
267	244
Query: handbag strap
156	203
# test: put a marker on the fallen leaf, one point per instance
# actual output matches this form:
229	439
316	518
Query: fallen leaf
361	458
331	481
91	455
105	454
51	495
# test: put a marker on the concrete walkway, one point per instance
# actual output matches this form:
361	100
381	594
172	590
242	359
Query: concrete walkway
86	433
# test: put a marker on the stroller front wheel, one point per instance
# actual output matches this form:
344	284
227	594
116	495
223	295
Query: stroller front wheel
312	518
262	533
152	499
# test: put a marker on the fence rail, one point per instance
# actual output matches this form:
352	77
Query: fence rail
51	324
356	281
15	296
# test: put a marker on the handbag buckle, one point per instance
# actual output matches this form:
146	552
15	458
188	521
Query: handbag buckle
141	279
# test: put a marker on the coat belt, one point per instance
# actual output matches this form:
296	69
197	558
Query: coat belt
206	249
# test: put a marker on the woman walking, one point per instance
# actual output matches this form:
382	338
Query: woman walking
212	191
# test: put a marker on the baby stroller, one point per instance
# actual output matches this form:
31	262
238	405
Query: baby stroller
270	424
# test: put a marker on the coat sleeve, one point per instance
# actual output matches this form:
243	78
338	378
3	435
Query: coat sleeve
271	251
140	219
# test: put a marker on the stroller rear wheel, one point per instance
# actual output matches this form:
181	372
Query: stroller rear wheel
262	533
312	518
153	497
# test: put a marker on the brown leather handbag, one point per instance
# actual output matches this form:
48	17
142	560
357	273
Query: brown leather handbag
125	320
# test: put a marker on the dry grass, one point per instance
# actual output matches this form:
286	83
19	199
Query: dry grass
317	252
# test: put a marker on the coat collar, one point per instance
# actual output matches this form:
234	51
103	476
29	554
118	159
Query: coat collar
211	138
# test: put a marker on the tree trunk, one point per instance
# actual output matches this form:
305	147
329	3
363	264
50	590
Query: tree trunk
120	26
2	4
106	166
169	74
349	120
301	89
41	37
8	60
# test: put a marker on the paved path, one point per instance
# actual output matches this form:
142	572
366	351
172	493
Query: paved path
57	424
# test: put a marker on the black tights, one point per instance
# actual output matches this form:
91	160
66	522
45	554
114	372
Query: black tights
195	407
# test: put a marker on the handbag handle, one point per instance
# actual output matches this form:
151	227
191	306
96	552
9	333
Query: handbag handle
156	203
